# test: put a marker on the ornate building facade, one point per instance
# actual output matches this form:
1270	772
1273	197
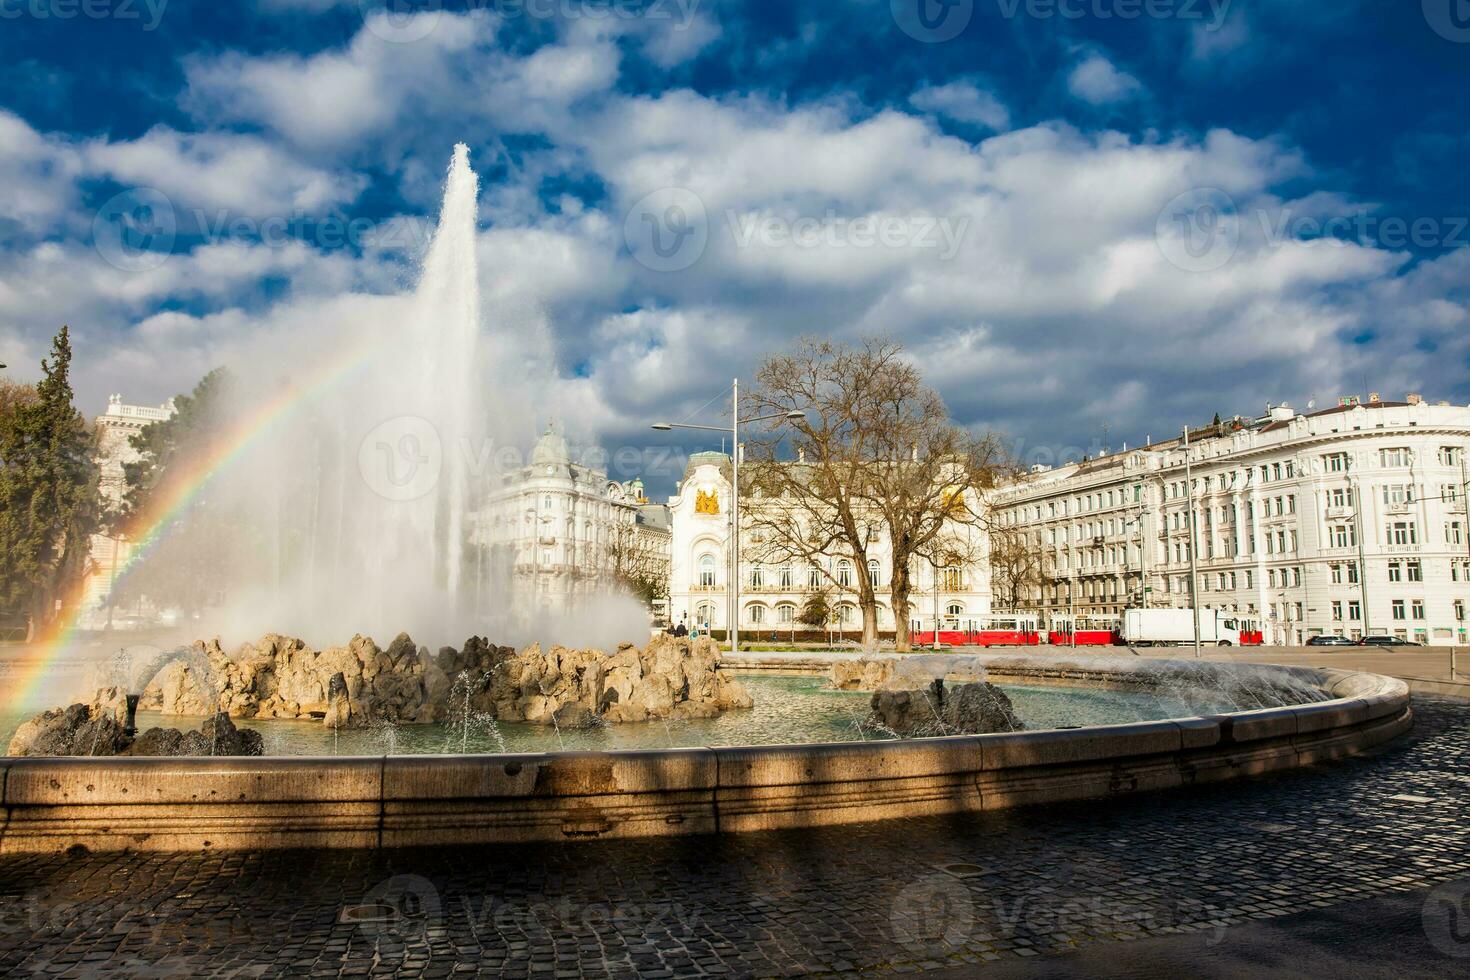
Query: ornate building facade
772	594
566	528
1346	521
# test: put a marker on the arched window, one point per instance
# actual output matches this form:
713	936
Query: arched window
707	571
955	609
846	614
875	572
704	614
755	613
786	614
844	574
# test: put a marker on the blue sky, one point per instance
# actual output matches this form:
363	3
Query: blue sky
1096	218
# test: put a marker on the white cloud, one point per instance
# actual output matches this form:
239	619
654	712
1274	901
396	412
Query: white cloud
963	102
1096	80
1058	301
336	99
227	171
37	177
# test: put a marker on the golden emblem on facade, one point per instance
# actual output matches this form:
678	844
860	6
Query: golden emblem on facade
706	502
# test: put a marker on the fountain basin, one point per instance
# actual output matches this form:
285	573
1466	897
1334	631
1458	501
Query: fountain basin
400	801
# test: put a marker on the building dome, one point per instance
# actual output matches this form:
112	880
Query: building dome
551	448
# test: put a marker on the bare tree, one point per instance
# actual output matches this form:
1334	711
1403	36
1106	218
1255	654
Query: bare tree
1019	567
927	476
876	453
637	563
813	509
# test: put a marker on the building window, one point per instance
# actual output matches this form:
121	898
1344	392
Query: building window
1414	570
756	613
1355	610
757	580
707	571
814	577
1402	532
1336	462
952	580
1398	493
1395	571
1449	455
1336	612
1398	609
785	614
1454	533
785	578
1416	608
875	573
844	574
1459	610
704	614
1393	458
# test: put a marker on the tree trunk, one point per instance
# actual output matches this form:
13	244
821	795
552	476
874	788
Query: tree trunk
901	640
870	626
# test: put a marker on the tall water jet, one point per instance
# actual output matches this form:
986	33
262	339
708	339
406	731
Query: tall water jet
442	338
362	492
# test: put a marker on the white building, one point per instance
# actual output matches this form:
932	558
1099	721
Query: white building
1344	521
115	430
772	594
559	523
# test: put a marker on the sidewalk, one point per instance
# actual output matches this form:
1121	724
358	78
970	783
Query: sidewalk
1427	669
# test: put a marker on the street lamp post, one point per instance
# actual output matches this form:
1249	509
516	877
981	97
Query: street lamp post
1193	567
735	422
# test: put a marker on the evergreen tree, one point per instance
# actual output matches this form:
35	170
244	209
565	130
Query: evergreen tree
164	447
49	495
184	561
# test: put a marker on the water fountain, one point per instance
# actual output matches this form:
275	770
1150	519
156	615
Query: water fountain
355	505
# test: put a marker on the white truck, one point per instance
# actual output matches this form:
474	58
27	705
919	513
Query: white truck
1154	627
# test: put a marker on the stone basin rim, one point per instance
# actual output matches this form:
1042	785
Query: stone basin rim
234	803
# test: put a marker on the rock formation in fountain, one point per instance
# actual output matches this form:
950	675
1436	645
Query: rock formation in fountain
962	709
76	730
669	678
910	673
281	677
96	730
360	684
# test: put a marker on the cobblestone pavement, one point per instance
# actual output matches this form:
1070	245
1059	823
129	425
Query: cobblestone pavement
1205	867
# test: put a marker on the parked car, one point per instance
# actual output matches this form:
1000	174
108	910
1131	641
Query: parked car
1384	640
1330	641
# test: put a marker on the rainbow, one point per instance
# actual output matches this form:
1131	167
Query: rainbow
147	529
